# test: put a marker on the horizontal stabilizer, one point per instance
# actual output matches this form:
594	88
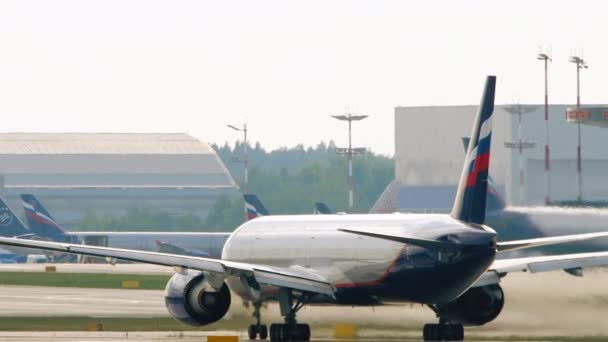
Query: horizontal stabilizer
444	246
521	244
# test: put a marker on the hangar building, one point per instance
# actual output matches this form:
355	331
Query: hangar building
429	155
108	173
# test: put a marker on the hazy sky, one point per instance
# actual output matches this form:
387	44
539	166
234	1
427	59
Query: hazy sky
284	66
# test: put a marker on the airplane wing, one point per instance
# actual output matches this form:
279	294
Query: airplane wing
293	278
539	264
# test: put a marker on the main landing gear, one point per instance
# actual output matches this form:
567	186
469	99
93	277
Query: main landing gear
290	330
257	329
444	331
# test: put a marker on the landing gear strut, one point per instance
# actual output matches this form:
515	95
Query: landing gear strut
257	329
444	331
290	330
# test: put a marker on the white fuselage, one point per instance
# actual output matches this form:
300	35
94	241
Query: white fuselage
346	260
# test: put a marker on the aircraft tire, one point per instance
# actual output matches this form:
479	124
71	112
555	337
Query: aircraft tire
252	332
283	332
263	332
443	332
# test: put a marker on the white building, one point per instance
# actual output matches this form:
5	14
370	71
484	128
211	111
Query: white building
429	155
109	173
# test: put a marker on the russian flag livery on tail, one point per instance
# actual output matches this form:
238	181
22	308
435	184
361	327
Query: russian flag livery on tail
40	221
495	202
254	207
470	201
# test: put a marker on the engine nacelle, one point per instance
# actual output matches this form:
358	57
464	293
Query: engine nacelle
191	300
477	306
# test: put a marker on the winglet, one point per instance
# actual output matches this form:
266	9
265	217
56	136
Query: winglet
470	201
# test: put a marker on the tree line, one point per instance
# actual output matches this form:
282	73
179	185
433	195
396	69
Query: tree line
287	180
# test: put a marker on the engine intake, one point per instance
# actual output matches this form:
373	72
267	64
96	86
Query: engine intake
189	299
477	306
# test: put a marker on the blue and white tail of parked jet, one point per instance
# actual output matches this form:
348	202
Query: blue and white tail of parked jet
322	208
254	207
40	220
10	225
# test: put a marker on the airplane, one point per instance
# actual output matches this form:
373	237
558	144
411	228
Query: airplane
203	244
445	261
40	220
543	221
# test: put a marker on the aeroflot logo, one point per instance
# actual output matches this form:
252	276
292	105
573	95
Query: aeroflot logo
5	217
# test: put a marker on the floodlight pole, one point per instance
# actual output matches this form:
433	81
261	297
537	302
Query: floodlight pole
519	110
547	59
580	64
350	151
245	160
350	165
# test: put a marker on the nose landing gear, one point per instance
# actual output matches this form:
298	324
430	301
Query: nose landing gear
257	329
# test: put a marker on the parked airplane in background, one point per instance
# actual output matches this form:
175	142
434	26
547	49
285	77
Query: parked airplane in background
41	222
385	204
11	226
446	261
208	244
322	209
543	221
254	207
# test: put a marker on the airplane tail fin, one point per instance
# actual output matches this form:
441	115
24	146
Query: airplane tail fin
254	207
322	208
495	202
387	202
39	219
10	225
470	201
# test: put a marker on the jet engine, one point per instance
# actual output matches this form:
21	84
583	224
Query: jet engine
191	299
477	306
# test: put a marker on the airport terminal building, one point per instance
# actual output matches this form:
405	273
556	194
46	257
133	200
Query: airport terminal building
428	162
108	173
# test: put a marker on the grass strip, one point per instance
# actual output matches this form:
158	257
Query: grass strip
83	280
90	323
